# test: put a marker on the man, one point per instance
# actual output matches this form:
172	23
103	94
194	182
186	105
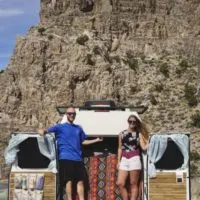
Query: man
70	138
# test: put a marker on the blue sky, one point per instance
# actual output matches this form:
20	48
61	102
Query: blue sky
16	17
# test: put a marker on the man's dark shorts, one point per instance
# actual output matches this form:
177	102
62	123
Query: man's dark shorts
71	171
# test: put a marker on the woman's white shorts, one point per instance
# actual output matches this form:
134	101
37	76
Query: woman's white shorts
130	164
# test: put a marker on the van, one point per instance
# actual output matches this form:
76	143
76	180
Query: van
166	170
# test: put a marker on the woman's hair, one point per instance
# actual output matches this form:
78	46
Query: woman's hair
140	127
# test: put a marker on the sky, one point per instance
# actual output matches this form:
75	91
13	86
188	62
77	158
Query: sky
16	17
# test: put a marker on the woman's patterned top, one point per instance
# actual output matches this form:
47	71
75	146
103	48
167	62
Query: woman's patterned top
130	141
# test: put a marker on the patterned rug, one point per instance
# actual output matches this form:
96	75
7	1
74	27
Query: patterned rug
101	178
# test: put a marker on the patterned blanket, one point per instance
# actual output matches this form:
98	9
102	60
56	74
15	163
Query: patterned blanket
101	178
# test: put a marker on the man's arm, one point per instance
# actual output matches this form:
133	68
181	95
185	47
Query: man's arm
88	142
52	129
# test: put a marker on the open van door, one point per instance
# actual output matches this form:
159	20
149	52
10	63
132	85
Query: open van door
168	167
33	172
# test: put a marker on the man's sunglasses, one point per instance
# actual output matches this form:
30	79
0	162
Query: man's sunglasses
71	113
131	121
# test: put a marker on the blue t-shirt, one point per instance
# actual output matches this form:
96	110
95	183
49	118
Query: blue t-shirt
69	141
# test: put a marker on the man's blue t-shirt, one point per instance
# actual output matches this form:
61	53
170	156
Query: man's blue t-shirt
69	140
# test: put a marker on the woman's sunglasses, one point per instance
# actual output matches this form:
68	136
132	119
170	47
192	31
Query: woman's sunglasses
131	121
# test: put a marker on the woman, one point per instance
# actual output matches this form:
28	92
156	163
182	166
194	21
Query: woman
129	163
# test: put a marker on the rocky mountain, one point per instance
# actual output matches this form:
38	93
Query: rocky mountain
135	52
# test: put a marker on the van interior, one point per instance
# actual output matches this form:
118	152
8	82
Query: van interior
172	158
109	145
29	155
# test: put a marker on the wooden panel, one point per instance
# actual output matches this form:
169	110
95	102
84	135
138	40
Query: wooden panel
49	185
165	187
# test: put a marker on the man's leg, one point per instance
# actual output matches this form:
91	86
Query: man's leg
80	190
69	190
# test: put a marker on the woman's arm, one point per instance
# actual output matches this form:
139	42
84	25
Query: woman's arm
119	155
88	142
143	142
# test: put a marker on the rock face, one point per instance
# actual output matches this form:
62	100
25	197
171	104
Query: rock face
135	52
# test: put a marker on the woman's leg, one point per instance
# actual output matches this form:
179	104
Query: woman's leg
121	182
140	184
134	178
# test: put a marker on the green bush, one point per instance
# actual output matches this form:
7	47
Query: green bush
116	58
108	58
184	65
41	30
131	61
82	39
2	71
193	170
194	156
190	92
159	87
89	60
50	37
164	69
196	119
97	50
153	100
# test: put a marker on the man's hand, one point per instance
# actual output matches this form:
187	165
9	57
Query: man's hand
41	132
99	139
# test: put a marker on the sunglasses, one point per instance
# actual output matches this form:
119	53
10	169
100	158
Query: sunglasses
71	113
131	121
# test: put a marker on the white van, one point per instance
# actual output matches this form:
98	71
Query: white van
166	171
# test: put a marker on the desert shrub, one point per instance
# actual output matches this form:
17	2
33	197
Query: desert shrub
41	30
159	87
184	64
50	37
196	119
116	58
97	50
194	156
194	170
82	39
153	100
107	57
89	60
164	69
190	96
